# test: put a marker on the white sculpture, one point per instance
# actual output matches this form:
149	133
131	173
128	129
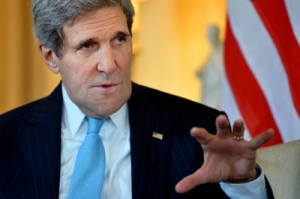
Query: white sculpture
211	74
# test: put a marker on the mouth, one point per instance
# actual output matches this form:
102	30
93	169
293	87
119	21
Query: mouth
107	87
104	85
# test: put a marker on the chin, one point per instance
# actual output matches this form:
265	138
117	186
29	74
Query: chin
105	109
107	106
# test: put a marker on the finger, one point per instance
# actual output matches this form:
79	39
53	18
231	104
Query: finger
222	125
238	128
262	138
188	183
201	135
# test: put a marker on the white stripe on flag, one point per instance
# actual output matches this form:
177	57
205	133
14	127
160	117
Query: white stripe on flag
228	104
293	8
263	59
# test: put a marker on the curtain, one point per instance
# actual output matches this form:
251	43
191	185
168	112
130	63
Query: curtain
23	75
165	58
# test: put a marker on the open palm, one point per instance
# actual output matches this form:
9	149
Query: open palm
227	157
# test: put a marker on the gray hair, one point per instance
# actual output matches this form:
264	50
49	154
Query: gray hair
49	17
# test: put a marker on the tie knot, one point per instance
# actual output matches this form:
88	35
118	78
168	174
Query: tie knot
94	124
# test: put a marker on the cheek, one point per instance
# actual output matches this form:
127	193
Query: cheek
76	70
125	62
74	78
124	56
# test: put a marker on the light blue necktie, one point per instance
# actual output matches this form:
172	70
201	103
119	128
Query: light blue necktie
88	175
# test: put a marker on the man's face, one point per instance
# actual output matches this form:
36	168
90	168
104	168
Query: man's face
96	59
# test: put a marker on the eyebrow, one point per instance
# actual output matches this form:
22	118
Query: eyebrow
84	42
118	33
122	33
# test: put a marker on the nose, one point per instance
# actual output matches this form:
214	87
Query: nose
107	62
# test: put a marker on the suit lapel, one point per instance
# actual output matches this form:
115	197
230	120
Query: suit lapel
41	144
149	152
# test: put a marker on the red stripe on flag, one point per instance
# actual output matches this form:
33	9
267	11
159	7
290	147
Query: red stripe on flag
275	17
248	95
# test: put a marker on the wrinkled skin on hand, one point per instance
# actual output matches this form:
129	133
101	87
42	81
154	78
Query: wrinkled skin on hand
225	158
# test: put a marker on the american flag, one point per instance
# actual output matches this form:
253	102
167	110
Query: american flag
262	67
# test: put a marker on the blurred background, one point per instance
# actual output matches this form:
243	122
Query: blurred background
170	46
178	48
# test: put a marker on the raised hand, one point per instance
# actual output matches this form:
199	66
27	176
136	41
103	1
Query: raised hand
227	156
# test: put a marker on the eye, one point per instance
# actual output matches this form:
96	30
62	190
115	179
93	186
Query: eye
120	39
86	45
86	48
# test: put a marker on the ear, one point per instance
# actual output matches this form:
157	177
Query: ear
49	58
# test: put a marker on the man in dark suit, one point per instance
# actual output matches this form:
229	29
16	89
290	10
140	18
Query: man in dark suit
148	148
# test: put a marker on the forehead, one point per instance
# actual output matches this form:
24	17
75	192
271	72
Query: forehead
107	19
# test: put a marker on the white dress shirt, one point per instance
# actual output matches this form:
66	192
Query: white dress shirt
115	135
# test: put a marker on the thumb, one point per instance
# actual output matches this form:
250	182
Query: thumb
188	183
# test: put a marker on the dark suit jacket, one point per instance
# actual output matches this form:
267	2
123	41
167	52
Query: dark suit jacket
30	146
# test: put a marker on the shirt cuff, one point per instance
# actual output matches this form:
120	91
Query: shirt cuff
254	189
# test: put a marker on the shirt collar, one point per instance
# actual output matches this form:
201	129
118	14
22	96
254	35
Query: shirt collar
73	117
120	118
